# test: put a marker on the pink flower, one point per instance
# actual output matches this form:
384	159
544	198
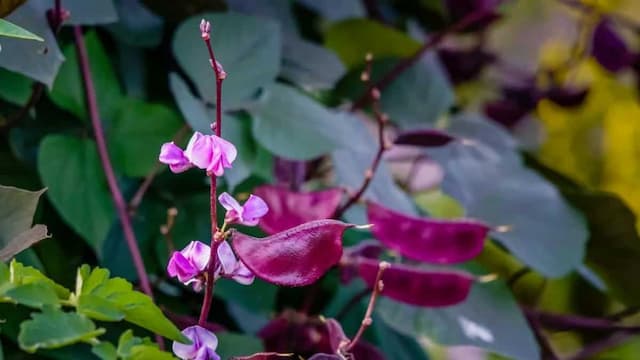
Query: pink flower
248	214
230	267
189	264
203	345
208	152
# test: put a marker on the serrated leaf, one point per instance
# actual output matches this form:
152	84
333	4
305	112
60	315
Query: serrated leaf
23	275
81	196
105	351
247	47
35	294
9	29
99	308
54	328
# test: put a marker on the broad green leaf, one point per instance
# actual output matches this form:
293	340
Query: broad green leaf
402	346
15	88
247	47
135	348
96	12
294	126
137	25
68	89
308	65
137	132
490	318
54	328
420	95
353	39
231	344
439	205
16	216
235	128
259	297
37	60
12	30
337	9
81	196
111	299
24	275
489	179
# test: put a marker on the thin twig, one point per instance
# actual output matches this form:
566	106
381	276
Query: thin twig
215	241
136	200
165	229
405	64
118	199
382	119
367	320
548	353
573	322
589	351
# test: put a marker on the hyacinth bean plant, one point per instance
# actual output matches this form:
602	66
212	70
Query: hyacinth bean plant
354	179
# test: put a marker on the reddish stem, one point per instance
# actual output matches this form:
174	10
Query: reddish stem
405	64
366	321
215	241
118	199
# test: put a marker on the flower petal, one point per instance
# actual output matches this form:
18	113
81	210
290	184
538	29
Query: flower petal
229	151
173	156
252	210
181	267
202	347
200	151
198	254
229	203
227	258
242	274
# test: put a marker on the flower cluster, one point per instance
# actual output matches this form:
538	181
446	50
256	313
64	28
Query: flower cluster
203	345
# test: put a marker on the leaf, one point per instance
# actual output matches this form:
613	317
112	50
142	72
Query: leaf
294	126
54	328
25	275
37	60
135	348
288	208
111	299
308	65
487	176
16	88
424	138
415	286
490	319
137	132
402	347
295	257
11	30
68	90
353	39
247	47
231	345
105	351
334	10
429	240
34	294
16	216
97	12
80	196
137	25
420	95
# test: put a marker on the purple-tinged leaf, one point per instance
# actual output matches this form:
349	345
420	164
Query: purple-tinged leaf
609	49
429	240
416	286
295	257
336	334
505	112
463	65
567	96
288	209
267	356
424	138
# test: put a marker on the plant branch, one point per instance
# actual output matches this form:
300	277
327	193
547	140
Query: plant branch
589	351
573	322
367	320
220	75
548	353
405	64
118	199
382	119
36	94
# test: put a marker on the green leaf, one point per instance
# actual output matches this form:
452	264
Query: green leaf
308	65
236	129
68	89
37	60
402	347
353	39
35	294
15	88
490	318
23	275
337	9
489	179
293	126
259	297
111	299
137	132
16	216
97	12
230	345
81	196
137	25
247	47
54	328
12	30
105	351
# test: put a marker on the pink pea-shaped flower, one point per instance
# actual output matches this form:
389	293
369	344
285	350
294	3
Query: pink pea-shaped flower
209	152
248	214
203	345
189	263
